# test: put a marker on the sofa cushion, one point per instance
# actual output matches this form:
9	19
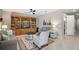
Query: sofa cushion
8	45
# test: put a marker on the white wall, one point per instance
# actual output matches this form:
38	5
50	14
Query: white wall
0	13
57	18
37	22
7	19
0	17
77	24
41	19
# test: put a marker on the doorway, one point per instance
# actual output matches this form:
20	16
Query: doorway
77	26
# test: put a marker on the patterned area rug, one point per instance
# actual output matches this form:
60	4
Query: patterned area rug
25	44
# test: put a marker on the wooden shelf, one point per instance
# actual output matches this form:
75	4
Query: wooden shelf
16	22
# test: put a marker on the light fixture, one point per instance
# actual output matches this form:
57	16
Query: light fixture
4	27
32	11
54	26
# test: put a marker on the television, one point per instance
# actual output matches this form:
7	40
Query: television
25	25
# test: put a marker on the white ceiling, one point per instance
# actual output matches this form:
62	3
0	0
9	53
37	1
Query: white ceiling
27	11
70	11
41	11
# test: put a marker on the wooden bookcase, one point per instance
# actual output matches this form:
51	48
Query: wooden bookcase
16	26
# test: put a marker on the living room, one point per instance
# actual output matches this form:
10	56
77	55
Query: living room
34	29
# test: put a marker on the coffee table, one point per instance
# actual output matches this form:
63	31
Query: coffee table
29	37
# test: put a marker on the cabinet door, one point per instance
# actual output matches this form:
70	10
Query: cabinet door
18	32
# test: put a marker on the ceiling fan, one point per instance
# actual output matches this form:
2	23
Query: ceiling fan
32	11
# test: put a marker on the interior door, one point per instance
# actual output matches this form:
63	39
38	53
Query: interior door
70	25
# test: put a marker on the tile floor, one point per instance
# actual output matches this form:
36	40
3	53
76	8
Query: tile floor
65	43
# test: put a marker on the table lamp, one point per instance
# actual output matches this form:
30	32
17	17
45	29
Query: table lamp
4	27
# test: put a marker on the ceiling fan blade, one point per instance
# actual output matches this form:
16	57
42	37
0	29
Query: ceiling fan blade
31	10
33	13
34	10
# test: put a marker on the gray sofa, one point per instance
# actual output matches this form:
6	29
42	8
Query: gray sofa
8	41
8	45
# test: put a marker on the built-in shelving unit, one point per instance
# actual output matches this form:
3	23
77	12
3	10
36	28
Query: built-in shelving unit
23	25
